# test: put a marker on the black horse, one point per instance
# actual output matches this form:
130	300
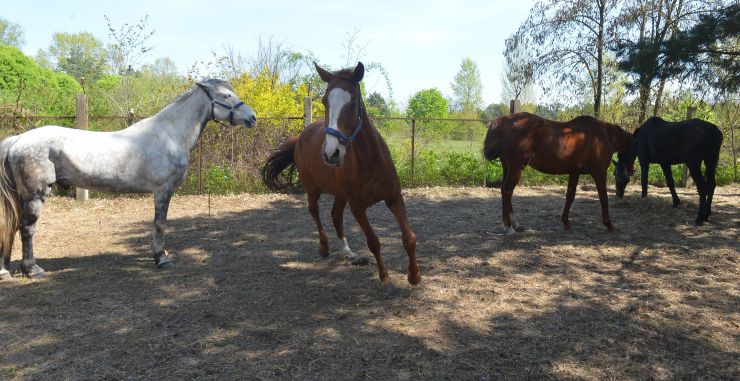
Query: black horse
665	143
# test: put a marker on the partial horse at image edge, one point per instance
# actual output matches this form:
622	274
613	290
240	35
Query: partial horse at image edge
584	145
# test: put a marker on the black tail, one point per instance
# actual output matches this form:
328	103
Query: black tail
492	145
714	144
276	164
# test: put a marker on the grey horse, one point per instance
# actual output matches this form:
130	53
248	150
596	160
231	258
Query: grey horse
150	156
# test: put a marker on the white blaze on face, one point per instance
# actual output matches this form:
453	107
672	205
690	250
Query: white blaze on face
338	98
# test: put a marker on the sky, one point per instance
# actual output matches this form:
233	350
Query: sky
420	43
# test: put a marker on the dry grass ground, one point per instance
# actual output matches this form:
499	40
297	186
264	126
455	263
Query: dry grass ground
251	299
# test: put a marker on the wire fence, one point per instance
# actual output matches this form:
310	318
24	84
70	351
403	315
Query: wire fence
426	151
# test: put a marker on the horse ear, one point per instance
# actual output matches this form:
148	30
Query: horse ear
359	72
325	75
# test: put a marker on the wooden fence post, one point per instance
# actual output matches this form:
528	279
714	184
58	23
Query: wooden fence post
307	112
81	123
130	117
685	180
413	148
515	106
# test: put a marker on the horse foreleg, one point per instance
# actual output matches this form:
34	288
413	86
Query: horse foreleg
569	196
337	218
701	188
29	216
669	181
161	205
600	181
373	243
313	208
644	170
398	208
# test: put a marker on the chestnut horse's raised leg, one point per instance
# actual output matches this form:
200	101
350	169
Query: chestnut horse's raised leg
569	196
512	174
373	243
600	181
398	208
313	207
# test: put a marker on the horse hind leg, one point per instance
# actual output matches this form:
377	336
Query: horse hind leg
30	214
337	217
701	188
511	179
711	185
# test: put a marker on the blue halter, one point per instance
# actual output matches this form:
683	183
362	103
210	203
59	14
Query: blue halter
343	138
224	105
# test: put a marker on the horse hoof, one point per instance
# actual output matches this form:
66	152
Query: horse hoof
699	222
414	278
610	228
166	265
5	275
389	291
33	271
361	261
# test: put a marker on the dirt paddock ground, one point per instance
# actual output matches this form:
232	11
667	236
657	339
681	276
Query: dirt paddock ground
250	297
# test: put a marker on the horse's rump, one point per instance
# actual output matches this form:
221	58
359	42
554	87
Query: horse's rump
493	145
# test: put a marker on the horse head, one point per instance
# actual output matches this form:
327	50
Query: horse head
225	105
344	111
624	168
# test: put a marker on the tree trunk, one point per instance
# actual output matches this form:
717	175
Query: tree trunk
659	97
599	61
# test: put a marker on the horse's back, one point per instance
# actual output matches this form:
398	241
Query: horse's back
665	142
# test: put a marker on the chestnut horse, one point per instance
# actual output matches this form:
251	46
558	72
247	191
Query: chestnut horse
344	155
583	145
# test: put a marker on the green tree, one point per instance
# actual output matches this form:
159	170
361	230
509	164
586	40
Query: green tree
428	103
33	88
377	105
569	40
11	34
468	88
80	55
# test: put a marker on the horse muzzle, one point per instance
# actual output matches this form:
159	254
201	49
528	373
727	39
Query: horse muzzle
333	157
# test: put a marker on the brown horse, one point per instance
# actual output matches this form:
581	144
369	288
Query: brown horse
344	155
583	145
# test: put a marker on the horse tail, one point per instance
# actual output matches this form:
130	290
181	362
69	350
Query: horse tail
9	202
276	164
493	145
714	144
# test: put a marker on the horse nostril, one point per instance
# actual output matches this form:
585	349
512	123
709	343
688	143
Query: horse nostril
335	156
254	118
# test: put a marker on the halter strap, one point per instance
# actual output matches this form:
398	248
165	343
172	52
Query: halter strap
224	105
343	138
